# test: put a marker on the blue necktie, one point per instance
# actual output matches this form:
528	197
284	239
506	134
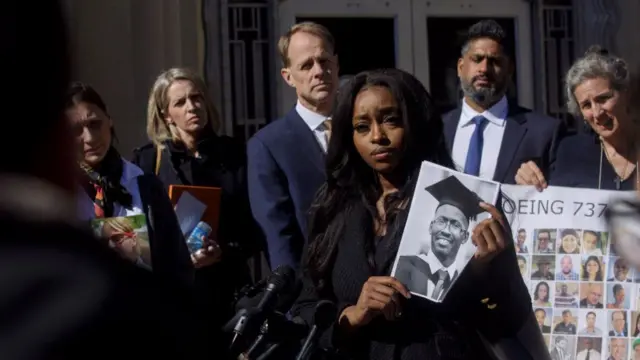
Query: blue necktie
474	154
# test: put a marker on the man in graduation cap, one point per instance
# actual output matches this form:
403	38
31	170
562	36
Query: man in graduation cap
435	269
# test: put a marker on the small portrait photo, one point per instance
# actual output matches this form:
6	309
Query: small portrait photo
589	348
562	347
635	324
568	267
617	348
543	267
618	323
567	294
619	296
618	270
569	241
128	236
591	295
436	244
522	241
594	243
544	241
544	317
592	268
635	349
592	322
524	264
541	293
565	321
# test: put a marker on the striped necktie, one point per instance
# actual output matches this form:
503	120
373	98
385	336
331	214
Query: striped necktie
327	130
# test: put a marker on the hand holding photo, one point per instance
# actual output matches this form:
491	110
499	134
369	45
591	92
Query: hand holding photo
436	245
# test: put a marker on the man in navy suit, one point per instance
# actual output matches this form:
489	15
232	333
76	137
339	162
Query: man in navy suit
489	136
286	158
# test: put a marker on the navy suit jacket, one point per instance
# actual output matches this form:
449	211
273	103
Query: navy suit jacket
527	136
285	170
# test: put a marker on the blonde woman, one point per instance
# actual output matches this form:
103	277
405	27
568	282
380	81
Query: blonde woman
185	149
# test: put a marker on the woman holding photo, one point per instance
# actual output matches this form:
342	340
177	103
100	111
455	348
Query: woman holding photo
384	126
114	187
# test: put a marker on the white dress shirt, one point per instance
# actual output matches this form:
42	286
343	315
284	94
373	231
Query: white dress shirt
435	265
315	122
492	136
593	355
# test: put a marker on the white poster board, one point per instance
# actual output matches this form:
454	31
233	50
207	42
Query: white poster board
585	297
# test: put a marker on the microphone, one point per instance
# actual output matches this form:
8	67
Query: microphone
276	329
324	315
281	283
244	297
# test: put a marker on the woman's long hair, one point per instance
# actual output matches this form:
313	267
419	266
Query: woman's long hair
351	183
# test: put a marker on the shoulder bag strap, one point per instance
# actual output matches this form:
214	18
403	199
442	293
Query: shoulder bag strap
158	159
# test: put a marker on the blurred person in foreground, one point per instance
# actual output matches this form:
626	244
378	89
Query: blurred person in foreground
65	295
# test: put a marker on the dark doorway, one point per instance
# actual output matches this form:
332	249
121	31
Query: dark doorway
361	43
446	36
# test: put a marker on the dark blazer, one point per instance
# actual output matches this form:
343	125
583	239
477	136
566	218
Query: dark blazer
612	333
221	164
424	326
527	136
286	168
65	294
583	304
577	165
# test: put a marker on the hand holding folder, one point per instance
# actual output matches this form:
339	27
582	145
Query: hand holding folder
190	211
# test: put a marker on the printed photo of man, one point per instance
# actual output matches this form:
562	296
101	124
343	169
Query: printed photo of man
590	328
588	349
618	324
617	349
591	294
521	239
436	267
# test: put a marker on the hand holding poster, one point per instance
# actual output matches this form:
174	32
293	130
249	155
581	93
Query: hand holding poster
436	243
585	296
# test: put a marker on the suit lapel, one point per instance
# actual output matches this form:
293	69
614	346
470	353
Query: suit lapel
304	141
450	125
514	131
421	280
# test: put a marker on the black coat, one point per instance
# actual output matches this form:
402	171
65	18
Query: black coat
221	164
66	295
424	326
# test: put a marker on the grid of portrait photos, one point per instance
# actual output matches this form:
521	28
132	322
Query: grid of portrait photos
585	297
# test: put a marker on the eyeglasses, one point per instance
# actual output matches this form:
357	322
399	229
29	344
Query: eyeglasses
441	223
623	221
